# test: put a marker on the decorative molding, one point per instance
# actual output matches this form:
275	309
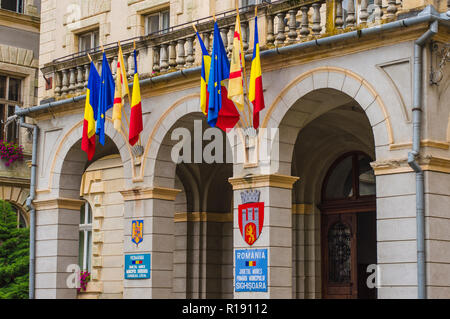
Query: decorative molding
150	193
436	164
26	22
58	203
424	143
255	181
203	217
302	209
398	166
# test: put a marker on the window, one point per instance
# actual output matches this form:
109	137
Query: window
85	242
10	96
21	220
12	5
157	22
88	41
350	177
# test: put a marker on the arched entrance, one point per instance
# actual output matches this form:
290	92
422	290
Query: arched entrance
348	227
202	210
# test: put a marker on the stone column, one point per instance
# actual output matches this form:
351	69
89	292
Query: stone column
156	207
276	235
57	226
437	225
396	235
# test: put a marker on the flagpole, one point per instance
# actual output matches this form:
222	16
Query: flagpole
124	113
243	122
244	71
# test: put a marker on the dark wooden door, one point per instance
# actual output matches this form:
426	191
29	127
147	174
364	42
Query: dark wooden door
339	271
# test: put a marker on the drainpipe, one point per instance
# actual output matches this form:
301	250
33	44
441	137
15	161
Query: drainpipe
30	205
414	154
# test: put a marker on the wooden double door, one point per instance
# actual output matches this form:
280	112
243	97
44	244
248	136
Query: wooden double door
348	248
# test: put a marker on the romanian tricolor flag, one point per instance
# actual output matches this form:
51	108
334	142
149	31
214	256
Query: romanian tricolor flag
250	263
90	112
122	90
255	93
235	84
206	63
136	108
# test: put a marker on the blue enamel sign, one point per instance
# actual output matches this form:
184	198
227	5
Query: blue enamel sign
137	266
251	270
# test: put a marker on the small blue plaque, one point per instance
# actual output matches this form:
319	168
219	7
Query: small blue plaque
137	266
251	270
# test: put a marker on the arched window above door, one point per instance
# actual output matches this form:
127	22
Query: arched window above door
350	178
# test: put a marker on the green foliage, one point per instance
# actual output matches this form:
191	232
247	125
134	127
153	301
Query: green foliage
14	255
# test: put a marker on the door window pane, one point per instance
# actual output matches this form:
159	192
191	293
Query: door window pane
81	249
11	128
340	183
85	42
153	24
2	121
165	21
12	5
14	90
339	253
366	177
2	87
95	40
88	41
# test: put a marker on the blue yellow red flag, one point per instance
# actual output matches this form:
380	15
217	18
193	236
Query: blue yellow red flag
255	94
136	125
90	112
206	63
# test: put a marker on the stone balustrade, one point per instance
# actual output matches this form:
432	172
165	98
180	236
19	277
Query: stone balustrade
283	22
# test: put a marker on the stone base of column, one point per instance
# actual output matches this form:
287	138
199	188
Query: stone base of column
270	255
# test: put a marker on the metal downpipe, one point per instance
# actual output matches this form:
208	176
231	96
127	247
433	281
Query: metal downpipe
30	205
414	154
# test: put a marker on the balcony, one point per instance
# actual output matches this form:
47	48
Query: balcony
281	23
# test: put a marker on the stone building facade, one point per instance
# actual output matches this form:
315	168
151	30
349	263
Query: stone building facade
337	186
19	72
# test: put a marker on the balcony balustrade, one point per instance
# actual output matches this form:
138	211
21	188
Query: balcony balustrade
281	23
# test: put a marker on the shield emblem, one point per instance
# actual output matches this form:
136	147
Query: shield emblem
137	231
251	220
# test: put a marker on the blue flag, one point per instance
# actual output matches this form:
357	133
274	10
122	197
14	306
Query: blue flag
106	98
218	72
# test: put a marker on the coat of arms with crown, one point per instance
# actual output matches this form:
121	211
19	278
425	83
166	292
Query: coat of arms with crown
251	216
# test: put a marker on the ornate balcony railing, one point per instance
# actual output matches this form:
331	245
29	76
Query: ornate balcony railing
281	23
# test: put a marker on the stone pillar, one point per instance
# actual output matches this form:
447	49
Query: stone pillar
276	235
57	226
437	225
156	207
396	235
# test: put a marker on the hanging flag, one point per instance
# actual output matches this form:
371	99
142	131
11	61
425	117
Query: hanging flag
121	91
206	63
90	112
136	108
255	93
106	98
221	110
236	82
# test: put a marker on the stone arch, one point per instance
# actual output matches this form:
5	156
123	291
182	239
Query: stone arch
184	106
17	196
329	79
67	144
